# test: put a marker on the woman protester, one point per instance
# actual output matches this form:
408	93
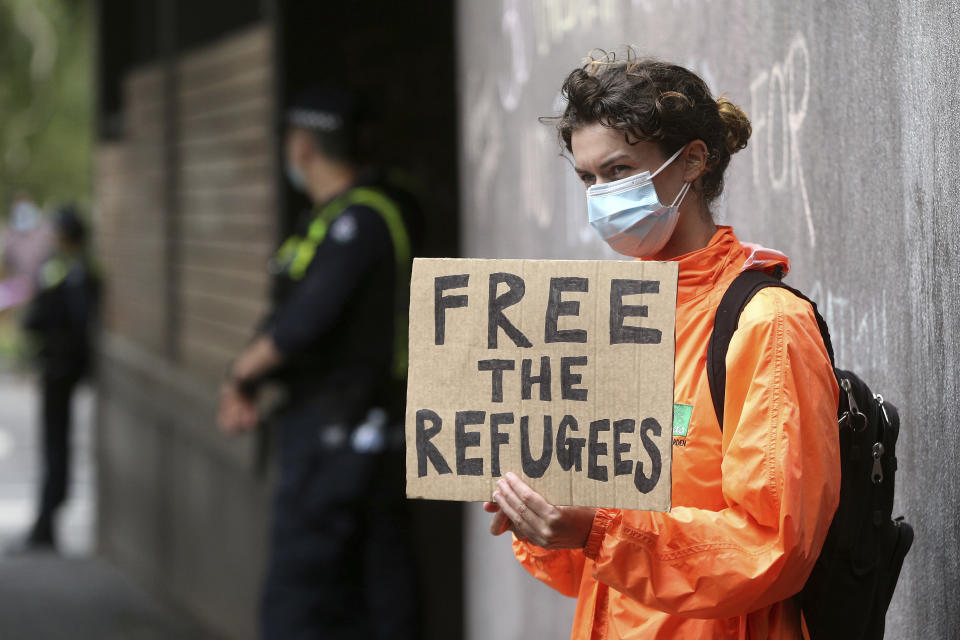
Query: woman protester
753	500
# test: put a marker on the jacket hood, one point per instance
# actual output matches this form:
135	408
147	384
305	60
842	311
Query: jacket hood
700	270
761	258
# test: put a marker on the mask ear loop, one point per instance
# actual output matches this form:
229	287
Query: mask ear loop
680	195
667	163
686	185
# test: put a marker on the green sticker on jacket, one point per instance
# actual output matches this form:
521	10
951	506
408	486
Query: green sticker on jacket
681	419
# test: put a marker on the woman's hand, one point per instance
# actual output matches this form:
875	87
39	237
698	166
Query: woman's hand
520	509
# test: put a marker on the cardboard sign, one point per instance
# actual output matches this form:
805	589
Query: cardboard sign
560	371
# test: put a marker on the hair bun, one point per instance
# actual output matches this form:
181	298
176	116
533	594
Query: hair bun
737	124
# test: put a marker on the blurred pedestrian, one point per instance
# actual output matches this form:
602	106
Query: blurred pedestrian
61	318
340	559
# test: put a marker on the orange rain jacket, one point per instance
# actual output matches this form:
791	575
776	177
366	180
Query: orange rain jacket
751	504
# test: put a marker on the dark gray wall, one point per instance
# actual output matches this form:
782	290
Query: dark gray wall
852	170
180	506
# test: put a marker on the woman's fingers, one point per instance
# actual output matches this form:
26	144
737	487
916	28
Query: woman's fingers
509	498
534	501
527	523
500	524
532	516
508	508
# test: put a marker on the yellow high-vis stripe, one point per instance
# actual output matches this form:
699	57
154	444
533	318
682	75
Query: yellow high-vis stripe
297	253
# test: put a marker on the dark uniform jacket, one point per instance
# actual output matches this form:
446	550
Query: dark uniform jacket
335	323
62	316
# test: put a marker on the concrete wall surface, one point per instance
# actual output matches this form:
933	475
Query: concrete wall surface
852	170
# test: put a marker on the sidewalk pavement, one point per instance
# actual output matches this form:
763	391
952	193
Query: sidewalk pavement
73	596
19	466
44	596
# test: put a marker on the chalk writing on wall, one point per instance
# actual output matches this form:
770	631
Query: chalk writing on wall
778	107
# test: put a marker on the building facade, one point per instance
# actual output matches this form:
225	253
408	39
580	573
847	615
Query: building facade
190	203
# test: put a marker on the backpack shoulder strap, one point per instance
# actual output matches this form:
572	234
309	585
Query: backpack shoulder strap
734	301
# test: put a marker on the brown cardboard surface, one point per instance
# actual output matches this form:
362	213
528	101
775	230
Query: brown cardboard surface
473	321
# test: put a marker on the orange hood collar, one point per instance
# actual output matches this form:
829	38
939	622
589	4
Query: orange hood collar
700	269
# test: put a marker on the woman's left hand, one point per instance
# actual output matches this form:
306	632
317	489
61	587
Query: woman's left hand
539	522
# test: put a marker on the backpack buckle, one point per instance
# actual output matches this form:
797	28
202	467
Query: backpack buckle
858	421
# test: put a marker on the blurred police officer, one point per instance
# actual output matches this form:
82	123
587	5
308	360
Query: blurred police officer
340	562
61	317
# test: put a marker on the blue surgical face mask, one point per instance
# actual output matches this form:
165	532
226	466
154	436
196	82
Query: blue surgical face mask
296	178
629	216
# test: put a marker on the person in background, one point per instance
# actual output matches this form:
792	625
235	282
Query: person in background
25	242
61	318
753	498
340	561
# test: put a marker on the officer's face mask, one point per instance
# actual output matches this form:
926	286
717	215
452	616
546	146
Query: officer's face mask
296	177
629	216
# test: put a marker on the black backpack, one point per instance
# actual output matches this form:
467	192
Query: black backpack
848	592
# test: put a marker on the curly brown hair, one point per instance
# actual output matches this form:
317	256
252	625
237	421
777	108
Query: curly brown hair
651	100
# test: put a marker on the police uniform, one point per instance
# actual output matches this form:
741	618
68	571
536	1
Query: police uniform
340	558
61	317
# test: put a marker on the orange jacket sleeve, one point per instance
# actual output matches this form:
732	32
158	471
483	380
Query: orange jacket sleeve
780	481
560	569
